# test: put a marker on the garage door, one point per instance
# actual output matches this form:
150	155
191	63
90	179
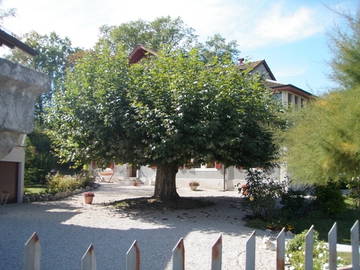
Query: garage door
9	179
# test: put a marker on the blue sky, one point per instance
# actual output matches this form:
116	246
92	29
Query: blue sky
292	36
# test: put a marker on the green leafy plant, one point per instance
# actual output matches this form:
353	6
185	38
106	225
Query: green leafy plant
329	199
295	252
354	186
62	183
262	192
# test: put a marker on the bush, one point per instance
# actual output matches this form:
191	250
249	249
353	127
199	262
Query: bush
294	202
62	183
354	186
295	252
329	199
263	191
40	159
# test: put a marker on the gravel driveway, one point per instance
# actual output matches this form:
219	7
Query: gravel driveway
67	227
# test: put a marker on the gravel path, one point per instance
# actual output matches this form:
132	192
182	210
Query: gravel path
67	227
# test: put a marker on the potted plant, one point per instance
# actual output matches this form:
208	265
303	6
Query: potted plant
88	197
194	185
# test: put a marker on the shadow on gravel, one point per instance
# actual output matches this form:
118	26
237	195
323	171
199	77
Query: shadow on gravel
63	244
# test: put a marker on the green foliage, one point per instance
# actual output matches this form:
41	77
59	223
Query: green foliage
294	203
263	193
39	160
167	109
324	141
61	183
354	186
172	33
324	144
53	59
329	199
166	34
216	46
295	252
346	45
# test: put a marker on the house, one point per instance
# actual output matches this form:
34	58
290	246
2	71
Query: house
19	89
214	175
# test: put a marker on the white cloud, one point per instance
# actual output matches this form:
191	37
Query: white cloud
254	24
290	71
279	25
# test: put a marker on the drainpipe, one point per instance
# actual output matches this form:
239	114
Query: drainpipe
224	184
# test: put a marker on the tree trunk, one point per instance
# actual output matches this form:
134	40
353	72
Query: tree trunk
165	183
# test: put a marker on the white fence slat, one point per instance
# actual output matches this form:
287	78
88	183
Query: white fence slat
178	255
309	248
32	253
280	250
133	257
332	240
355	246
88	260
216	254
250	252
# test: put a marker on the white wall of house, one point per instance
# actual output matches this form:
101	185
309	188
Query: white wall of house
18	155
261	69
208	178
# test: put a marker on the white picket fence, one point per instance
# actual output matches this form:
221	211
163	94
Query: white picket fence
133	258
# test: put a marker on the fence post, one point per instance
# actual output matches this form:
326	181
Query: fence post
355	246
133	257
88	260
32	253
216	254
280	250
250	252
178	255
332	240
309	247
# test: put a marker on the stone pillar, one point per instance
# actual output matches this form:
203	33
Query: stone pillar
19	89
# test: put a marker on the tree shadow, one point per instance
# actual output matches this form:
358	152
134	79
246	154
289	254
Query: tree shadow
63	241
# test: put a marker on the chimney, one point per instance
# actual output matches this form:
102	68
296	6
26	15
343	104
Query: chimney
241	61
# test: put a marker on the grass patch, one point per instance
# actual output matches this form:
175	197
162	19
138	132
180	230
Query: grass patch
139	204
346	256
321	221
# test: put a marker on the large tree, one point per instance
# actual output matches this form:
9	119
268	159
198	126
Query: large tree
162	31
324	142
164	111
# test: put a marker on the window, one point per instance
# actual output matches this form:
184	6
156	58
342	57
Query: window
302	103
277	96
289	99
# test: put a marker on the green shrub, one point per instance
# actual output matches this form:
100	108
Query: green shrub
354	186
263	192
329	199
40	159
295	252
62	183
294	202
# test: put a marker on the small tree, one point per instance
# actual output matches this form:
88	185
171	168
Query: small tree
324	143
164	111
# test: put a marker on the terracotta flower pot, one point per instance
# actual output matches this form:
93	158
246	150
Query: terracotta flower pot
88	197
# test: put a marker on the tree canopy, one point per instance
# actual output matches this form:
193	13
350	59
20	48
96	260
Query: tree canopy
165	110
324	142
162	31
